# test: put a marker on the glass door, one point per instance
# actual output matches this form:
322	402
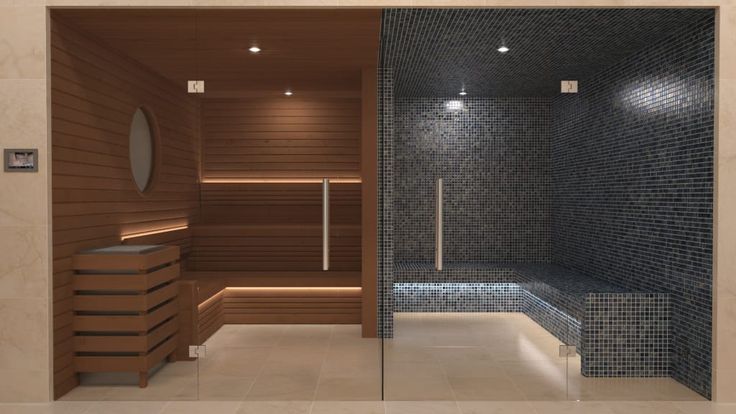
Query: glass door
467	330
290	362
475	355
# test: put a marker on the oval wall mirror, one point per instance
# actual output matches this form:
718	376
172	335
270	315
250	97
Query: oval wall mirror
141	148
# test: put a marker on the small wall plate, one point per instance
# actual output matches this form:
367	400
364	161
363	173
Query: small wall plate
569	86
197	351
195	86
20	160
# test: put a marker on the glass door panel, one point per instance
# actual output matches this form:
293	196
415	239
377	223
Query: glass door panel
290	362
473	356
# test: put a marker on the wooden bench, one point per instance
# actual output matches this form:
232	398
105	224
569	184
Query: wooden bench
210	299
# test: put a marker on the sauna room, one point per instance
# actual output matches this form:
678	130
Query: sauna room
403	204
244	141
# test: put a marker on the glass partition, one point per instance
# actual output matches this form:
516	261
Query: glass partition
290	362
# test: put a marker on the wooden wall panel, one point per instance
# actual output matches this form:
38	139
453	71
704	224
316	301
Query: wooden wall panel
273	247
282	278
281	137
94	93
276	227
292	306
282	203
211	316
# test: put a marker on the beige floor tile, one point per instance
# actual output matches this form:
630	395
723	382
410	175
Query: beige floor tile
422	407
643	407
309	366
349	389
88	393
473	369
201	407
306	335
485	389
254	336
444	354
126	407
180	369
283	387
239	362
549	370
700	407
366	351
59	407
158	389
418	389
274	407
348	407
540	382
670	390
627	389
400	371
342	366
570	407
407	353
224	388
304	355
495	407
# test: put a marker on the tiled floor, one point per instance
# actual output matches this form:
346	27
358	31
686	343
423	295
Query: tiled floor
498	357
443	357
370	407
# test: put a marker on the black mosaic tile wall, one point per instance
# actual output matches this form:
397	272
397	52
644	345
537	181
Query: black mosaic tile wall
560	324
437	51
385	203
457	297
493	155
632	166
626	335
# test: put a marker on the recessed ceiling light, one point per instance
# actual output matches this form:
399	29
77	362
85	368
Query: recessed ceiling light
288	92
254	49
463	93
503	49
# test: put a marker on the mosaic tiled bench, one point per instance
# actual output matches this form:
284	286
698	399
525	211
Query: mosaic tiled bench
618	333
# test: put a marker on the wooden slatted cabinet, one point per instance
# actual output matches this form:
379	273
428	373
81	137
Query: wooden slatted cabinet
125	308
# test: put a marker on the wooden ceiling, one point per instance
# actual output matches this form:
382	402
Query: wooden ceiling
310	51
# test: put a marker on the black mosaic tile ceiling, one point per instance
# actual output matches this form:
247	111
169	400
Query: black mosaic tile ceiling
435	52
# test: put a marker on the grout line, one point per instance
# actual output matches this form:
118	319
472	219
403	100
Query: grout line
263	367
322	367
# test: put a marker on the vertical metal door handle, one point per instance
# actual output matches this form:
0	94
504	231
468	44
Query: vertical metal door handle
438	227
325	224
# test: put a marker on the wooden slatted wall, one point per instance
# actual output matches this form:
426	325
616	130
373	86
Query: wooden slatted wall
94	93
281	137
292	306
271	227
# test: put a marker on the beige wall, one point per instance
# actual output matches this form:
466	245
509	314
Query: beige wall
25	268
